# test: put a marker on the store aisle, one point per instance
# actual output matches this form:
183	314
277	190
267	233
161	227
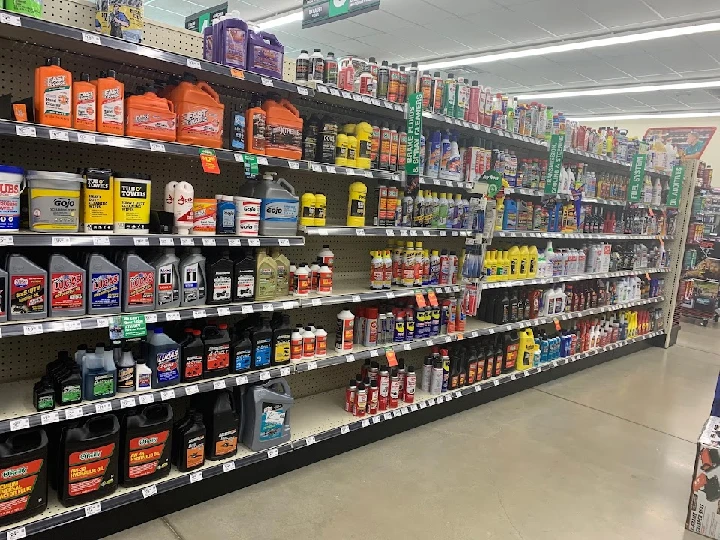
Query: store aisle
606	453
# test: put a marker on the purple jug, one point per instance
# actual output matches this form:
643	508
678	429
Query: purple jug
265	54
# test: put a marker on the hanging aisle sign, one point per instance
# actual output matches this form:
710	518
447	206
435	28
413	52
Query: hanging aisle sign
555	161
414	132
675	186
637	174
317	12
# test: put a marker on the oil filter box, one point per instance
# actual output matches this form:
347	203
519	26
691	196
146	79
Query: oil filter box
703	515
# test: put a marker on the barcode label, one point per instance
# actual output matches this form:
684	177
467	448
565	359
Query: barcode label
195	477
157	147
167	394
92	509
141	241
57	135
242	379
273	452
25	131
229	466
172	316
208	242
144	399
284	372
192	389
16	534
49	418
199	314
264	375
149	491
127	402
69	326
101	240
19	423
32	329
101	408
191	63
309	440
219	385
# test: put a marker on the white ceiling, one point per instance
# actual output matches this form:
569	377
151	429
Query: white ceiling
406	30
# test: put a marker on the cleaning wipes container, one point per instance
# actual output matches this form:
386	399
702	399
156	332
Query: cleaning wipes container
54	201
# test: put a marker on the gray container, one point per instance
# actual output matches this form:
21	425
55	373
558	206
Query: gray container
193	287
138	283
266	409
54	201
279	208
167	280
4	291
68	289
105	286
28	285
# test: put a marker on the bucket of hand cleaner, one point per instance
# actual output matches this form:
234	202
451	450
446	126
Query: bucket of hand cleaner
247	216
54	201
147	445
23	475
12	183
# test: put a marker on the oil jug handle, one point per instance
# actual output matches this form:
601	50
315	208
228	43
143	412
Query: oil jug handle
205	87
285	183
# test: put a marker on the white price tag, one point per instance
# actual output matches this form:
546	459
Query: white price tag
272	453
387	416
388	105
309	440
86	138
413	232
127	402
264	375
219	385
70	326
311	366
58	135
350	172
330	169
61	241
12	20
403	232
496	382
335	92
32	329
191	63
426	233
221	311
422	404
116	141
320	88
302	90
247	309
144	399
397	413
344	430
365	423
443	233
254	242
413	408
208	242
239	158
101	240
187	242
448	398
149	491
49	418
167	394
195	477
293	165
390	295
241	380
375	420
367	100
157	147
315	167
262	160
374	353
104	407
284	371
229	466
25	131
389	232
458	394
19	423
407	347
7	241
172	316
199	314
356	298
283	242
267	307
150	318
141	241
315	302
92	509
16	534
404	410
192	389
367	174
376	102
346	95
350	358
359	232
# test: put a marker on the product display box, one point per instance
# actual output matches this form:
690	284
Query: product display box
704	507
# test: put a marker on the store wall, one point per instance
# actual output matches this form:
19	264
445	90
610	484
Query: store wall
637	128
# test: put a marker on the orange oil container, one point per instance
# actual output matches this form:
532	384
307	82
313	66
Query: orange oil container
255	125
111	105
53	94
283	131
150	117
199	113
84	104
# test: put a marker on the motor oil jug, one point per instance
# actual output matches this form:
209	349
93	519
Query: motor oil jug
104	286
163	357
89	467
216	350
219	279
244	278
266	286
199	113
189	442
67	287
192	355
147	445
111	105
280	206
53	94
230	41
138	285
97	201
167	280
283	131
268	418
23	474
223	425
150	117
28	289
192	276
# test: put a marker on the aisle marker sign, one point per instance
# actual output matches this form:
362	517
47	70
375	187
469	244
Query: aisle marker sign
637	174
414	132
675	186
555	161
317	12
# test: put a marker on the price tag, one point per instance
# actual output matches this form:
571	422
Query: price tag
356	298
86	138
388	105
389	232
320	88
221	311
376	419
390	355
241	380
25	131
192	389
167	394
302	90
157	147
19	423
144	399
247	309
330	169
208	242
447	398
58	135
195	477
344	430
149	491
16	534
104	407
219	385
141	241
420	299
335	92
397	413
388	416
199	314
264	375
12	20
311	366
284	371
403	232
359	232
390	295
367	100
192	63
116	141
7	241
172	316
413	232
443	233
365	423
187	242
315	167
267	307
70	326
407	347
150	318
32	329
262	160
254	242
127	402
426	232
92	509
229	466
422	404
49	418
376	102
350	172
293	165
272	453
61	241
309	440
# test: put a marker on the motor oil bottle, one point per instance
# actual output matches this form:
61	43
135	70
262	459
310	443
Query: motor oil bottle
28	289
105	286
99	375
283	268
163	358
188	438
111	105
84	104
138	285
357	197
262	341
167	280
67	287
266	286
24	479
89	468
266	408
281	342
241	353
192	277
244	278
216	350
146	445
191	358
327	141
53	94
223	426
219	279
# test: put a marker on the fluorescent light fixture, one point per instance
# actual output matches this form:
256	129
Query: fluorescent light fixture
280	21
576	46
622	90
649	116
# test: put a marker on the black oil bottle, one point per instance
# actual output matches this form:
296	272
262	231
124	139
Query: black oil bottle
244	278
219	278
262	346
217	350
89	468
189	442
24	479
44	394
241	353
281	342
146	444
223	426
191	357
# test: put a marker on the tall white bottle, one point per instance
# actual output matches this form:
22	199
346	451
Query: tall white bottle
183	207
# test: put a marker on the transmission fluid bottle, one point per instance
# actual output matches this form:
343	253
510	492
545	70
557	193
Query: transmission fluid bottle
146	445
67	287
24	465
28	289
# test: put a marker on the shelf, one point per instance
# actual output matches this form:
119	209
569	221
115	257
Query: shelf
531	192
16	403
386	231
315	419
352	99
584	236
565	279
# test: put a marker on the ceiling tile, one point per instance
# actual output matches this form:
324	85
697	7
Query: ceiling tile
416	11
709	42
638	65
695	97
507	24
617	13
463	7
682	61
465	32
558	17
674	8
349	28
252	10
544	68
385	22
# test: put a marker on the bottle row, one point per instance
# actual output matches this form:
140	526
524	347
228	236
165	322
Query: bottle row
407	264
428	209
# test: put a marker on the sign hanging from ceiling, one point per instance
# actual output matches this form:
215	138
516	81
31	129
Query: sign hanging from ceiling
317	12
197	22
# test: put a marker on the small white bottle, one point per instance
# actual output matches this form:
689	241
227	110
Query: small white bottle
296	344
325	281
320	343
387	264
170	196
183	207
302	281
315	277
657	192
308	340
143	375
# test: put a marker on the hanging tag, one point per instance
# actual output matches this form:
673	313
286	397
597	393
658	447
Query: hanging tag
390	355
557	325
432	298
237	73
208	159
420	299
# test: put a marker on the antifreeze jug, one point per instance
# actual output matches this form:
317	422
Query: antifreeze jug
268	418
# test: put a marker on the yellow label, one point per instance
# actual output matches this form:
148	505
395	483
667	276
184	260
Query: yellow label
131	205
97	207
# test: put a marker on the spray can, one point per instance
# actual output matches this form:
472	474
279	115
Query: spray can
360	400
410	383
402	150
350	392
373	397
426	374
403	87
394	84
399	327
449	95
375	147
394	144
385	146
473	109
383	388
394	397
402	373
445	359
383	80
436	380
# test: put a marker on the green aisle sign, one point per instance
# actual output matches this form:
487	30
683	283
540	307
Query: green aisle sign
637	175
675	186
555	161
493	179
316	12
414	132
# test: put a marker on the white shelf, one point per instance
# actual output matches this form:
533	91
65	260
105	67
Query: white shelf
564	279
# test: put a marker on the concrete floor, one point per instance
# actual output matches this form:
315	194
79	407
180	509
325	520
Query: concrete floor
606	453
